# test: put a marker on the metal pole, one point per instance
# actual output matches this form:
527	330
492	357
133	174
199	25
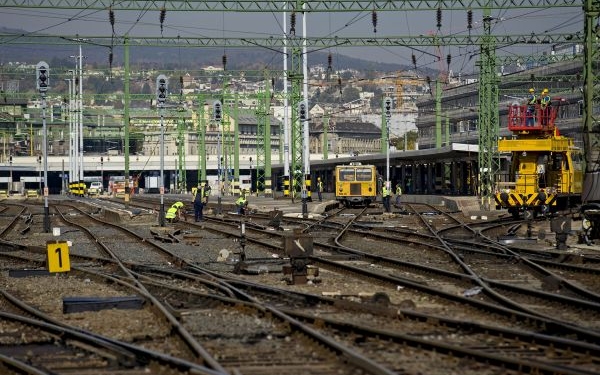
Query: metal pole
286	117
76	110
11	176
70	125
126	119
305	130
387	152
220	196
40	174
388	104
45	151
80	115
64	188
161	214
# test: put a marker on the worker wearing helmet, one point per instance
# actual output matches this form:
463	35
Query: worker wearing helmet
544	105
320	189
531	102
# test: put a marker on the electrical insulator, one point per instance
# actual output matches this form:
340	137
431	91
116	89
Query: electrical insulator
111	18
42	73
162	86
439	18
414	60
181	80
217	111
532	77
329	61
163	14
273	83
110	58
302	113
224	60
293	23
374	20
448	60
469	19
428	81
340	85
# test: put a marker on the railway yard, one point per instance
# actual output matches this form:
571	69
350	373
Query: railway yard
354	291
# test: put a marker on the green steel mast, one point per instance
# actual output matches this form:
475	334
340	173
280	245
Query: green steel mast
438	113
263	140
181	170
591	116
236	145
201	131
126	105
325	136
295	76
488	126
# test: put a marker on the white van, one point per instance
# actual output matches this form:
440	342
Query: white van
95	188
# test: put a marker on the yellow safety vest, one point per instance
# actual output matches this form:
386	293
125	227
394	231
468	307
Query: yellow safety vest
241	201
171	213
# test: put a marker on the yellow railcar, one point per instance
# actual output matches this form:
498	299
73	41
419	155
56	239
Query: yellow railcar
545	171
356	184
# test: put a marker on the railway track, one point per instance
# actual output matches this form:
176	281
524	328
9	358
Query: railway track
206	298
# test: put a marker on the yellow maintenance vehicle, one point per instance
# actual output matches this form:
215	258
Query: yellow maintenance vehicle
545	171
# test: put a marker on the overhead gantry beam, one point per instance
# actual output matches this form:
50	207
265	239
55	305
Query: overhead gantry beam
281	6
277	42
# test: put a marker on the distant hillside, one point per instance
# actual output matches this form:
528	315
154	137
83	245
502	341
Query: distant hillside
171	57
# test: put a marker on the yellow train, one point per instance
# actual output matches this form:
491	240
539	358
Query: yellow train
356	184
546	168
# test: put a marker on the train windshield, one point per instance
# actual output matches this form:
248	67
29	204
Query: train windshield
347	174
364	174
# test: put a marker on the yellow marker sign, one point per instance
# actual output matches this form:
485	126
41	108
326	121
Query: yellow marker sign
57	259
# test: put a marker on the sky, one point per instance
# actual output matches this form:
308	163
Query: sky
259	25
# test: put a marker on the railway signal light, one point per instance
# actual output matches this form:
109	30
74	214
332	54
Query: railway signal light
302	112
41	71
217	111
387	106
162	85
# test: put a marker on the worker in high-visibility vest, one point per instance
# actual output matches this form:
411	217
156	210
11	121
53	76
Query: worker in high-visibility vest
398	194
200	199
174	213
531	102
320	189
385	194
242	203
